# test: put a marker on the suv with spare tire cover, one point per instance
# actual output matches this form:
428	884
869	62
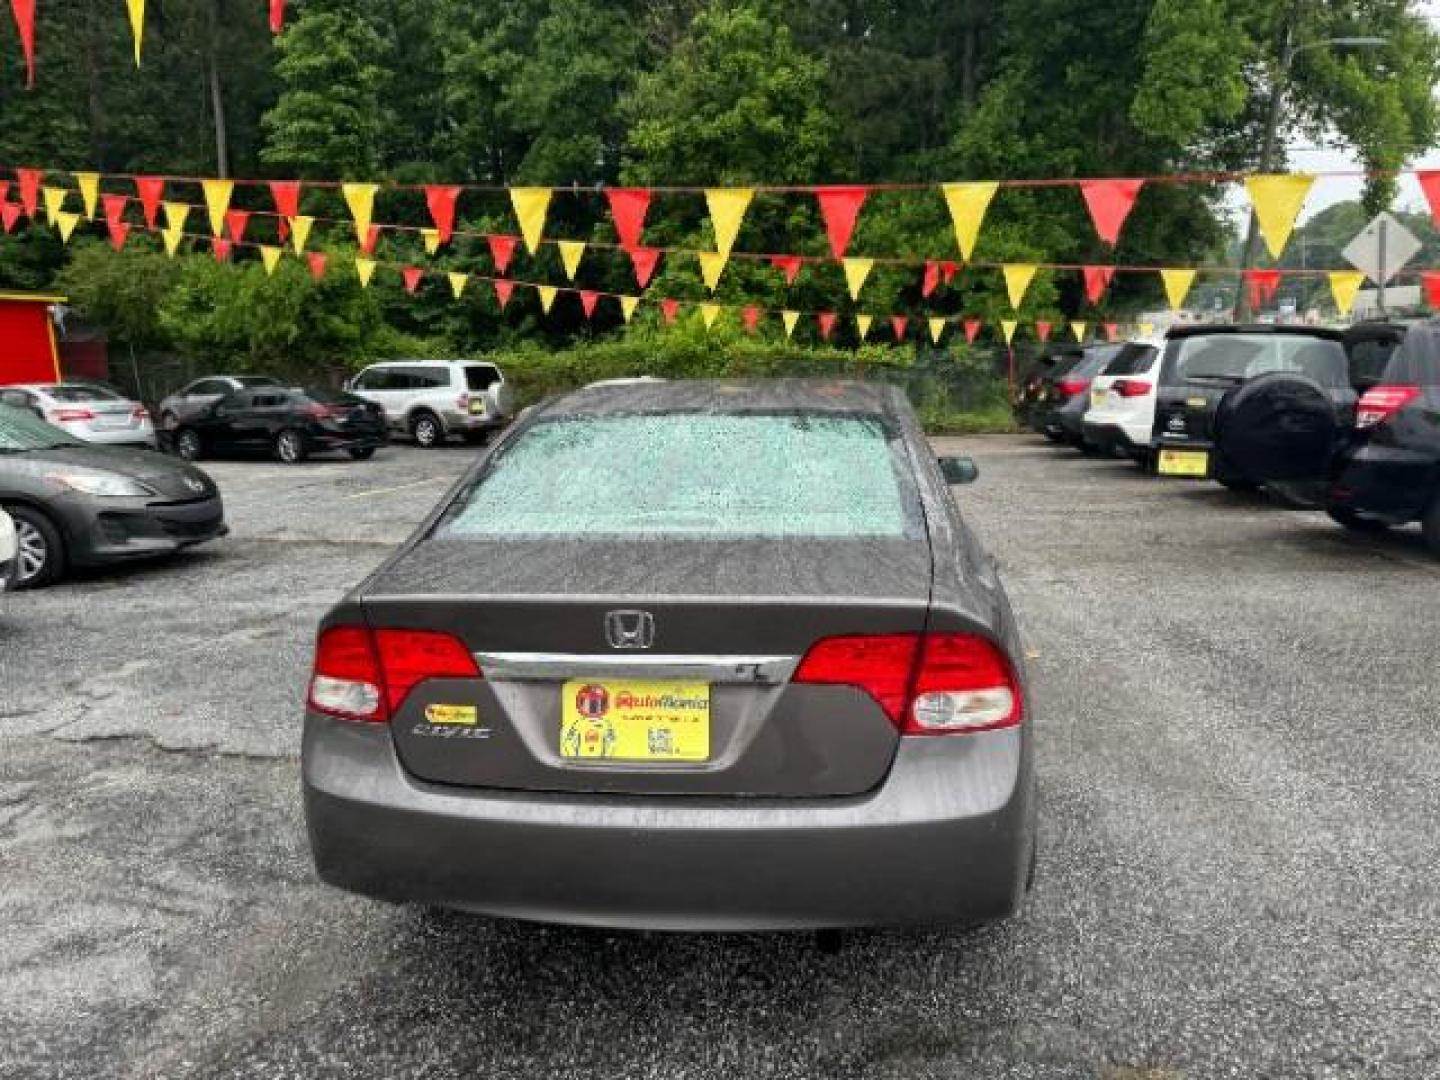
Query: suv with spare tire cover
1370	467
1204	364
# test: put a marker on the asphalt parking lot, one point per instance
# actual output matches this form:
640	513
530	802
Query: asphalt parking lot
1240	824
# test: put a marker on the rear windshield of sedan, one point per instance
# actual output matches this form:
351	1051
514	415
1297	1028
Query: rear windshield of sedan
82	393
726	475
1238	357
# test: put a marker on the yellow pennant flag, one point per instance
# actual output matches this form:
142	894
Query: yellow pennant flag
176	214
1344	284
547	297
856	271
1177	286
628	304
1017	281
863	323
708	312
432	240
571	252
270	256
531	206
1078	329
1277	200
54	201
457	284
1147	329
360	198
137	28
937	330
712	265
66	222
365	270
789	318
1008	327
727	211
217	201
968	203
89	191
300	232
172	237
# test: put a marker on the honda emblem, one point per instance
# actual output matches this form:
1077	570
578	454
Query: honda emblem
630	629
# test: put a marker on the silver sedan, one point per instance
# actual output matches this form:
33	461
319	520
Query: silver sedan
86	411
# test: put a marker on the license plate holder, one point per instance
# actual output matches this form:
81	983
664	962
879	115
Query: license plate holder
1194	463
630	720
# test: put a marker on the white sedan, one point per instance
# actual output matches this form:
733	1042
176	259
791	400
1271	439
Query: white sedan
88	411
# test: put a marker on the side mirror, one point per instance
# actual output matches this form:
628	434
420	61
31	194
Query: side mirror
959	470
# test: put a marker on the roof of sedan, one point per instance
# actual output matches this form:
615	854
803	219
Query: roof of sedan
729	396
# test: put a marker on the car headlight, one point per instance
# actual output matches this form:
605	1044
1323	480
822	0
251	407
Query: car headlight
102	485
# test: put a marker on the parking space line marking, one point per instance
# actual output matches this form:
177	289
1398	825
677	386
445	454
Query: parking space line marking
400	487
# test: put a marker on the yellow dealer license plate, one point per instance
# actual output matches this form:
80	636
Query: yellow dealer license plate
625	720
1097	397
1184	463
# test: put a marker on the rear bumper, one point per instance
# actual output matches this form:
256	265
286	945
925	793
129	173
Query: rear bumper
471	422
1114	437
1388	482
946	839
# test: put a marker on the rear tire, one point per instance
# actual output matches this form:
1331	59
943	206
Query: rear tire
41	558
426	430
290	447
188	445
363	453
1430	528
1356	522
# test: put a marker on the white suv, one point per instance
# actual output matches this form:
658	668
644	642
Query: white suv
1122	401
433	399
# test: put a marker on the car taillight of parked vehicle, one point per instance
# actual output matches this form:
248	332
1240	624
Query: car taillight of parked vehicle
326	412
1381	402
1071	387
363	674
69	416
1128	388
928	684
139	414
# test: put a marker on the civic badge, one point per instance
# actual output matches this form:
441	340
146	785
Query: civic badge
630	629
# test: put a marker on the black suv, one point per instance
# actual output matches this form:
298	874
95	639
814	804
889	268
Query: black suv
1202	365
1371	466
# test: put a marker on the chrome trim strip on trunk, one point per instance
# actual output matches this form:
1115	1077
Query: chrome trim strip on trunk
762	670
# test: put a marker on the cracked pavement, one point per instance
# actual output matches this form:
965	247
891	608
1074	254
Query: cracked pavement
1238	771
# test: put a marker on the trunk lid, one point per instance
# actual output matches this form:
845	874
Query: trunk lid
563	629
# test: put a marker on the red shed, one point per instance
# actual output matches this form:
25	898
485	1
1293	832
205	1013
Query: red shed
28	351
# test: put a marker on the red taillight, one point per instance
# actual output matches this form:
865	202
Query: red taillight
325	412
1131	387
1071	387
139	413
1379	404
69	416
462	402
365	675
935	684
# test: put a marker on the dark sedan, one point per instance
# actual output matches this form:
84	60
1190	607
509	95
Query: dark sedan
288	424
78	505
683	656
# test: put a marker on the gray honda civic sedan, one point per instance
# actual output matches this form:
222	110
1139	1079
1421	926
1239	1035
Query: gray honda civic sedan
688	656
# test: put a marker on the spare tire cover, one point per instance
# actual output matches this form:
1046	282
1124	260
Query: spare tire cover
1278	427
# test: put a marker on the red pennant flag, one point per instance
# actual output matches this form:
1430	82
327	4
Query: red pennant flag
644	260
628	207
221	249
932	278
10	213
787	264
1262	285
827	323
1430	281
236	221
30	180
972	330
1430	185
24	11
503	289
277	20
840	206
411	275
1112	331
441	201
372	237
282	228
751	318
114	206
670	309
1110	203
119	233
286	194
316	260
898	323
948	269
588	297
501	248
1097	280
150	189
1042	330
